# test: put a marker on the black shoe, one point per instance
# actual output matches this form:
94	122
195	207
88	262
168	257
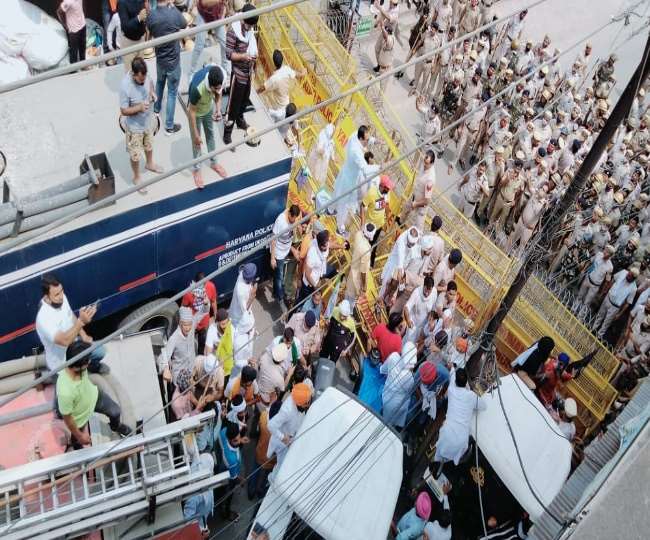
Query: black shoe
376	69
241	124
100	369
123	430
175	129
412	83
227	133
249	108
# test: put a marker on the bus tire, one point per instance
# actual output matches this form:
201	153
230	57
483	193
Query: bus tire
164	316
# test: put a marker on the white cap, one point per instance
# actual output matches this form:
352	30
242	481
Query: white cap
344	308
185	314
427	242
570	407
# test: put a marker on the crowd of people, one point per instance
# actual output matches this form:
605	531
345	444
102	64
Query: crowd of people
517	157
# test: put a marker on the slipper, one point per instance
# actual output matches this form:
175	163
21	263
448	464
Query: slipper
198	179
154	168
219	170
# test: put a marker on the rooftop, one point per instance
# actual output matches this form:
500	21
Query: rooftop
49	138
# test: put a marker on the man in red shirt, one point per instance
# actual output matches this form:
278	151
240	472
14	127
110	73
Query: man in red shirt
202	298
555	370
387	338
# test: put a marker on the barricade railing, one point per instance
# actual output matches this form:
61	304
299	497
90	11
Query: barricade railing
486	271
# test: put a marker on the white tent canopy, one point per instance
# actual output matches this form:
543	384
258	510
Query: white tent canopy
342	477
544	451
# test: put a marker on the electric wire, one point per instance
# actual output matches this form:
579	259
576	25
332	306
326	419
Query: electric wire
331	202
27	236
234	262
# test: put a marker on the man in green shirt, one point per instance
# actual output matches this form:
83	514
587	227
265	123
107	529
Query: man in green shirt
205	90
77	398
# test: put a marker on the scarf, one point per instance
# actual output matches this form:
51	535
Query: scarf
224	351
248	38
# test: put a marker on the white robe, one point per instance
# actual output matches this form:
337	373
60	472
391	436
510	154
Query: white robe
286	422
242	318
320	156
399	258
454	433
348	178
398	389
419	308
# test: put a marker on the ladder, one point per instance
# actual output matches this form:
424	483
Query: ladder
71	494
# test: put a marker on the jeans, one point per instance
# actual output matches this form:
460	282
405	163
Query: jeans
207	123
278	278
199	45
172	78
105	405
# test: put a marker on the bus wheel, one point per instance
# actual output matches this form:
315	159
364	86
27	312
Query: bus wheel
163	316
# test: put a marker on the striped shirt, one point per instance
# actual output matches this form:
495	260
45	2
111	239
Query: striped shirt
240	69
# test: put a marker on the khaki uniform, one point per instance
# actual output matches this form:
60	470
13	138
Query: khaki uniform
385	58
510	185
422	189
360	264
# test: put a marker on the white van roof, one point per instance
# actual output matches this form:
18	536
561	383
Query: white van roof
342	479
545	452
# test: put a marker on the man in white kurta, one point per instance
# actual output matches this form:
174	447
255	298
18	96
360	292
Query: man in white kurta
285	424
454	433
418	307
348	178
406	247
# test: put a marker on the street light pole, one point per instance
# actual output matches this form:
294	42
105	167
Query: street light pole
552	224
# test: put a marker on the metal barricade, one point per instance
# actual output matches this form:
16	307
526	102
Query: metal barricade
486	272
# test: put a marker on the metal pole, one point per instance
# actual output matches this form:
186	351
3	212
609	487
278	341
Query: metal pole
618	115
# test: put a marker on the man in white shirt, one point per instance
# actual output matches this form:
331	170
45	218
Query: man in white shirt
446	270
243	295
620	295
601	272
281	248
57	327
418	307
315	265
438	245
473	187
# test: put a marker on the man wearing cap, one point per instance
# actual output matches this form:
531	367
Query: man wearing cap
203	299
360	263
473	187
605	71
495	168
272	375
637	333
393	275
179	352
207	382
307	331
513	30
241	51
374	208
241	306
555	370
499	135
510	187
439	69
566	416
625	254
620	295
385	17
416	210
599	275
469	130
529	218
471	18
286	423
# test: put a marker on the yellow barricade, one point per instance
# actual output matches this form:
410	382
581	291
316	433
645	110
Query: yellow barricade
486	271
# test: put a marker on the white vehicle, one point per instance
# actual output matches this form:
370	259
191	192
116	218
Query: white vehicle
339	480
